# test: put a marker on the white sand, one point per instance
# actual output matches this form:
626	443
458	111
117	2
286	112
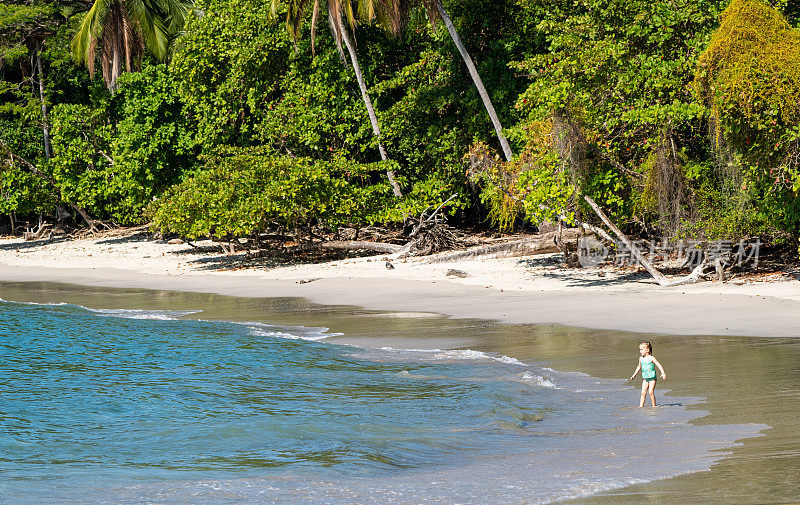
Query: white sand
516	290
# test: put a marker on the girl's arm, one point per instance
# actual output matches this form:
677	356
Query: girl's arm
663	375
638	367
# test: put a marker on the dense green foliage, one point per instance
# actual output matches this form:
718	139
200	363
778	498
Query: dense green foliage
615	84
114	157
750	78
242	192
613	105
679	117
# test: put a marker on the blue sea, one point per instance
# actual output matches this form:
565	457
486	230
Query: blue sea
125	406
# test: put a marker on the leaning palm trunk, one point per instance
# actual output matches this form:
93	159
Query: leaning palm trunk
476	78
373	118
340	13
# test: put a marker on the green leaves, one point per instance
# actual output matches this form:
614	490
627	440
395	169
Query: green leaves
115	170
750	78
243	192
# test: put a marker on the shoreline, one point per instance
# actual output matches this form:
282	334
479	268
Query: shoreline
695	447
731	405
544	296
527	290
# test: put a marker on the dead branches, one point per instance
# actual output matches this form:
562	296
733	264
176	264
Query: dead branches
528	246
657	275
39	233
432	234
433	219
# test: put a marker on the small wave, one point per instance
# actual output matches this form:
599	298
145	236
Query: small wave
538	380
458	354
408	375
290	336
162	315
43	304
527	378
309	333
159	315
477	355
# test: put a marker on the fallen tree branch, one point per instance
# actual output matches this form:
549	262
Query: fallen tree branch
636	253
691	278
586	226
39	233
351	245
529	246
423	221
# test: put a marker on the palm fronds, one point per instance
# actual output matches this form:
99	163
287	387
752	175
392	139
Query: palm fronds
117	31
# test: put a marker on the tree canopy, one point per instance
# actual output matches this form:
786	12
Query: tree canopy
679	117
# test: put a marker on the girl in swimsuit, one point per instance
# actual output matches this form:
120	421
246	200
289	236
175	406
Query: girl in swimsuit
648	364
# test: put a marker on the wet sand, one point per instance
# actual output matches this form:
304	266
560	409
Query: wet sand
744	379
625	306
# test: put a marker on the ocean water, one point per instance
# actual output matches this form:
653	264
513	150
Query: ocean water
151	406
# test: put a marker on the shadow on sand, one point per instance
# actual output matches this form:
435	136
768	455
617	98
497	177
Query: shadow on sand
578	278
213	260
33	244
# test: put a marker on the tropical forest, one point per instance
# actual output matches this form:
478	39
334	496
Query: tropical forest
247	121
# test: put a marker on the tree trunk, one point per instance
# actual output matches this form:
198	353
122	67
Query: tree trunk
476	78
35	171
529	246
91	222
61	215
48	149
370	110
657	275
355	245
350	245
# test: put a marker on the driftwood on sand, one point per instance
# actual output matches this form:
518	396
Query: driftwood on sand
429	234
528	246
39	233
354	245
637	254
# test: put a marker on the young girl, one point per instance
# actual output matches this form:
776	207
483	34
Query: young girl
648	364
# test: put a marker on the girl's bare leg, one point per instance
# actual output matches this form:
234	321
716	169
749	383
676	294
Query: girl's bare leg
651	391
644	392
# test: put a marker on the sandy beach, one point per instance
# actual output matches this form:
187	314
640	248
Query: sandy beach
534	289
715	339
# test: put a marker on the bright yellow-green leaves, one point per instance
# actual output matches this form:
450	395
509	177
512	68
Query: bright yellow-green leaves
752	65
750	78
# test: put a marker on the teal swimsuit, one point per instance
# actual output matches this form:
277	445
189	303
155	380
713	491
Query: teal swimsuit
648	370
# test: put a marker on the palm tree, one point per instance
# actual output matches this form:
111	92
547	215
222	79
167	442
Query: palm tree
118	31
436	10
338	12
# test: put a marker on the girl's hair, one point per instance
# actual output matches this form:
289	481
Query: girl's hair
649	346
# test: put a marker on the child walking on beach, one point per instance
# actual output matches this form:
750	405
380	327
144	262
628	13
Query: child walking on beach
648	364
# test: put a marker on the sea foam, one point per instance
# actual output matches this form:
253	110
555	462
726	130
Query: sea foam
309	333
158	315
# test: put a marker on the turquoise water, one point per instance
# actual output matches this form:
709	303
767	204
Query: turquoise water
127	406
